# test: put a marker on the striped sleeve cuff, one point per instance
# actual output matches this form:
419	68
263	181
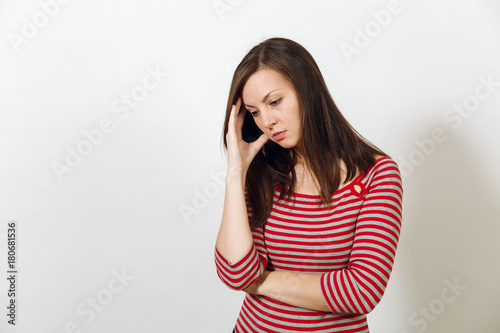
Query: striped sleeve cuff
241	274
344	294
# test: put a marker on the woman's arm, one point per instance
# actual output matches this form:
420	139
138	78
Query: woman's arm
235	237
239	261
240	253
298	289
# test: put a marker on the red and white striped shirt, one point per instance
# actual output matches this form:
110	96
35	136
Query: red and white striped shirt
352	246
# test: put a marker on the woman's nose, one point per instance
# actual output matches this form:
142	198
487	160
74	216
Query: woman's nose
268	120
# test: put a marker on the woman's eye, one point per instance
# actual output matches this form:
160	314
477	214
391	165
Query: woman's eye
253	113
276	101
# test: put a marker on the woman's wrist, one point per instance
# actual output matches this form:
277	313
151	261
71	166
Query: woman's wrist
236	176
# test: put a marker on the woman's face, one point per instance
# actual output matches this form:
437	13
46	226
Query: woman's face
274	105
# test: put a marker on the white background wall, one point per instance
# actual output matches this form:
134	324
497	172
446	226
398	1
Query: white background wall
118	211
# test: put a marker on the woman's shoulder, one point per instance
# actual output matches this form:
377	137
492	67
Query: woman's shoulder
383	159
384	166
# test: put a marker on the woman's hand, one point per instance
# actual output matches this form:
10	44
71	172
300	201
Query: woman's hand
240	153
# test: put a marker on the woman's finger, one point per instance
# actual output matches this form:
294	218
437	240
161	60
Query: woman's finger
231	122
238	104
241	113
260	141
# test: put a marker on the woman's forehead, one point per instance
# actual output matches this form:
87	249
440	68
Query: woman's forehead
260	83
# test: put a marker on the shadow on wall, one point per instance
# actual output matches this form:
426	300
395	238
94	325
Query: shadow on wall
451	256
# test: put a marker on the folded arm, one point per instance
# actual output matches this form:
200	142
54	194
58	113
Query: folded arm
360	286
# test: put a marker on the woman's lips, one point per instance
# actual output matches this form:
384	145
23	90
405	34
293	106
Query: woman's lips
279	135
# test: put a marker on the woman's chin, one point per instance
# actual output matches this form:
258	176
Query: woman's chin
285	144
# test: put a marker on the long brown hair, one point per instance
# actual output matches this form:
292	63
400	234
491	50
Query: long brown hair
326	135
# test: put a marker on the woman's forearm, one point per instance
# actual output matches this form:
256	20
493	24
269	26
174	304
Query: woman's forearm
234	239
298	289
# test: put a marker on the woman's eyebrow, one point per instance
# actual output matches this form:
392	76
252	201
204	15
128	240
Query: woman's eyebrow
263	100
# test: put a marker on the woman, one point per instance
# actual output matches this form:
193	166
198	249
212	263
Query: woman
312	210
